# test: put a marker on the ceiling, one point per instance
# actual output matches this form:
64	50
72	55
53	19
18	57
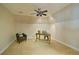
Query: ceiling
28	8
23	12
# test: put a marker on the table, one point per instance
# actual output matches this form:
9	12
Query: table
46	35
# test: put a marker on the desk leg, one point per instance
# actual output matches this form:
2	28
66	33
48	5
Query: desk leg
49	37
39	36
36	37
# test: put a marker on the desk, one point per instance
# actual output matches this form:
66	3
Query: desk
48	36
38	35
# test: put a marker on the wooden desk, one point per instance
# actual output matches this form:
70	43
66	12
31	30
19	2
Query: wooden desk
48	36
38	35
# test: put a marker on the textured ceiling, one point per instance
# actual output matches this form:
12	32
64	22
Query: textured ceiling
23	11
28	8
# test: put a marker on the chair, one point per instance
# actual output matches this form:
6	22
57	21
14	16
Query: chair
18	38
24	36
21	37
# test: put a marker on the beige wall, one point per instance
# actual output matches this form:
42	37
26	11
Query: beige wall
67	26
31	29
7	30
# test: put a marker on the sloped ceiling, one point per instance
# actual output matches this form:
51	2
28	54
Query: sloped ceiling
22	11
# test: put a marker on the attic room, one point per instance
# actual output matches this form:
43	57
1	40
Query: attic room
39	29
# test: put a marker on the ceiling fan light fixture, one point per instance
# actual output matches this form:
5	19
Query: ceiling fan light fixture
39	12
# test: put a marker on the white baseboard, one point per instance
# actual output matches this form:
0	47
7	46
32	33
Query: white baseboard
6	47
67	45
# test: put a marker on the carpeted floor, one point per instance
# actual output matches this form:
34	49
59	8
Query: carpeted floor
32	47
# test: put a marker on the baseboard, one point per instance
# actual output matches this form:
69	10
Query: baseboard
67	45
6	47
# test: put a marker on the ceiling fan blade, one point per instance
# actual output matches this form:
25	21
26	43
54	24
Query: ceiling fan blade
40	14
39	8
44	11
36	11
44	14
37	14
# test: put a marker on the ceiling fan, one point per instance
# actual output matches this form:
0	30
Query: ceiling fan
39	12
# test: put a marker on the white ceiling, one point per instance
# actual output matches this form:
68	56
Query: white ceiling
23	11
28	8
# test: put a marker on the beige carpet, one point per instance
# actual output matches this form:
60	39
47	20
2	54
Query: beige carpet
32	47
